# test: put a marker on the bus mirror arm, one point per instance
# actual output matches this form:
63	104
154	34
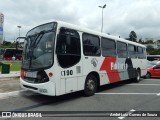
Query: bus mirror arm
21	38
17	41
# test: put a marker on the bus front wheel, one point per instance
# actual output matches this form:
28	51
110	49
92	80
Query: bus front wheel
90	85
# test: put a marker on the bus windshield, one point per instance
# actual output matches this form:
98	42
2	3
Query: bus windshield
38	47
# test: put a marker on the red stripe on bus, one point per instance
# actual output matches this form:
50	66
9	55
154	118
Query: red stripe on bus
112	73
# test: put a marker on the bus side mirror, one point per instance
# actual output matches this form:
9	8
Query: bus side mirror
21	38
17	43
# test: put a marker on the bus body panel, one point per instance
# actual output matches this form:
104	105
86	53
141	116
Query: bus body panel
48	88
142	64
69	78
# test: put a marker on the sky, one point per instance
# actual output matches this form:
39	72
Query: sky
120	16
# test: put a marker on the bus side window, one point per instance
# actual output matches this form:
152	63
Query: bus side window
91	45
122	50
108	47
132	51
140	53
61	44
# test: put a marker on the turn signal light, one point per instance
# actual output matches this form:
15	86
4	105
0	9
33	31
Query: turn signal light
23	74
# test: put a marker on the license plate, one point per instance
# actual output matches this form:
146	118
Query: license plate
31	74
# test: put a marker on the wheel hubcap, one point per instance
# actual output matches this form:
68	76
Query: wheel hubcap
138	76
90	85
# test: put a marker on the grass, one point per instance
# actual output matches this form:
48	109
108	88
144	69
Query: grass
14	66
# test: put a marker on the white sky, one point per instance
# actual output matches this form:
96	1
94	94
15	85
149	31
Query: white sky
120	16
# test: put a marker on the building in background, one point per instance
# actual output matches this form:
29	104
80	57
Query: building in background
1	27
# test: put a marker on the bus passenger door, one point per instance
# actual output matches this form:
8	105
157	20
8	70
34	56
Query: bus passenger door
69	54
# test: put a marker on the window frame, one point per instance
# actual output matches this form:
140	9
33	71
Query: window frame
139	54
70	38
135	50
98	55
109	39
121	49
68	54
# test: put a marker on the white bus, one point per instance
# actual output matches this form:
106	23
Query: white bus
60	58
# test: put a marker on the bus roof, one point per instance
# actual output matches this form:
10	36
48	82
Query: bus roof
86	30
82	29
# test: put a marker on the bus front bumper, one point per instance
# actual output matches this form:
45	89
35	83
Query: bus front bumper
48	88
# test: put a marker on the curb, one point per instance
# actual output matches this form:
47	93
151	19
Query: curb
9	78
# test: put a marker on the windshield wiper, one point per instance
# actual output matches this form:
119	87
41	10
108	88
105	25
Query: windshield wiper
33	45
37	39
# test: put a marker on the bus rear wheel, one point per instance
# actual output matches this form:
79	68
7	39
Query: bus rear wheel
137	79
90	85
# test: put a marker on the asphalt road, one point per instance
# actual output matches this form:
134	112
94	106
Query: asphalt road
124	96
9	84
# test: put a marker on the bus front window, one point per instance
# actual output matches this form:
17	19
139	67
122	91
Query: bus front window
38	49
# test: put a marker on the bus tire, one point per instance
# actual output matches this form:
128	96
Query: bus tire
138	77
90	85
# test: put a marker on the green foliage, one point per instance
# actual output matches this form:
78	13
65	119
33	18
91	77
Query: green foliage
158	41
133	36
149	42
150	47
14	66
127	38
7	44
140	41
152	51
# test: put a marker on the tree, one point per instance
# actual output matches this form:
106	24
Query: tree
6	43
149	42
140	41
158	41
127	38
154	52
133	36
149	48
